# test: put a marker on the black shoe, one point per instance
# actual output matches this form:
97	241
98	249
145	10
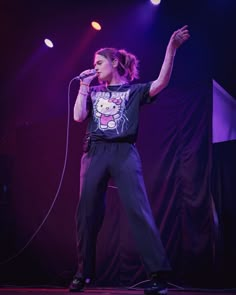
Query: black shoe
77	285
156	287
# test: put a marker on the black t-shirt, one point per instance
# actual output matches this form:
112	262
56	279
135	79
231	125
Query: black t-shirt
114	111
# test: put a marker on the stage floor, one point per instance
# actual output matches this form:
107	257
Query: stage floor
106	291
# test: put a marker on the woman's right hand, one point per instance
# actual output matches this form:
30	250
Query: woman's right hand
87	76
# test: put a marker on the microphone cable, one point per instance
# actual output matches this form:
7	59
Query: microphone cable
59	186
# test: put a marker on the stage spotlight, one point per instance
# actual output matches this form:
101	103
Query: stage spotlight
155	2
48	43
96	26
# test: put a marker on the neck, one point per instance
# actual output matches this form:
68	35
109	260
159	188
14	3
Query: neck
117	80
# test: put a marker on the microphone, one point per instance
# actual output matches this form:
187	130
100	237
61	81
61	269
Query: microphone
85	75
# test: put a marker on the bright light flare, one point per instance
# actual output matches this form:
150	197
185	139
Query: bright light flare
96	26
155	2
48	43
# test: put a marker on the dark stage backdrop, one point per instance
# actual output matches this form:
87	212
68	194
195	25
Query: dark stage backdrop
175	146
174	140
224	193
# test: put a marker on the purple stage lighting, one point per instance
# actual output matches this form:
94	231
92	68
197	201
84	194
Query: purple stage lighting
155	2
48	43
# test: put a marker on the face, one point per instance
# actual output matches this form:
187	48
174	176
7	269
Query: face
104	68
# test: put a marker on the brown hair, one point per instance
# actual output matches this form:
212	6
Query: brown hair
127	62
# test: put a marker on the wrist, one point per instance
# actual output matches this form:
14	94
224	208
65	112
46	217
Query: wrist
83	93
84	84
84	88
171	50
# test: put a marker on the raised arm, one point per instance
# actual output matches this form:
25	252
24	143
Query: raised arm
176	40
80	107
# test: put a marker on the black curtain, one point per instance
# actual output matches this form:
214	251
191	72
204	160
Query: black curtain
179	184
224	194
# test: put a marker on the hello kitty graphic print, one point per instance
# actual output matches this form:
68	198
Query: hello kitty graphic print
109	109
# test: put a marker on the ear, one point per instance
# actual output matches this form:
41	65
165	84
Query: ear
115	63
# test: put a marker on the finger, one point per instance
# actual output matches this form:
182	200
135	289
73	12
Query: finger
183	28
176	33
186	34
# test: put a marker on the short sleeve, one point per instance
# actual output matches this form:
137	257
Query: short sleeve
145	97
